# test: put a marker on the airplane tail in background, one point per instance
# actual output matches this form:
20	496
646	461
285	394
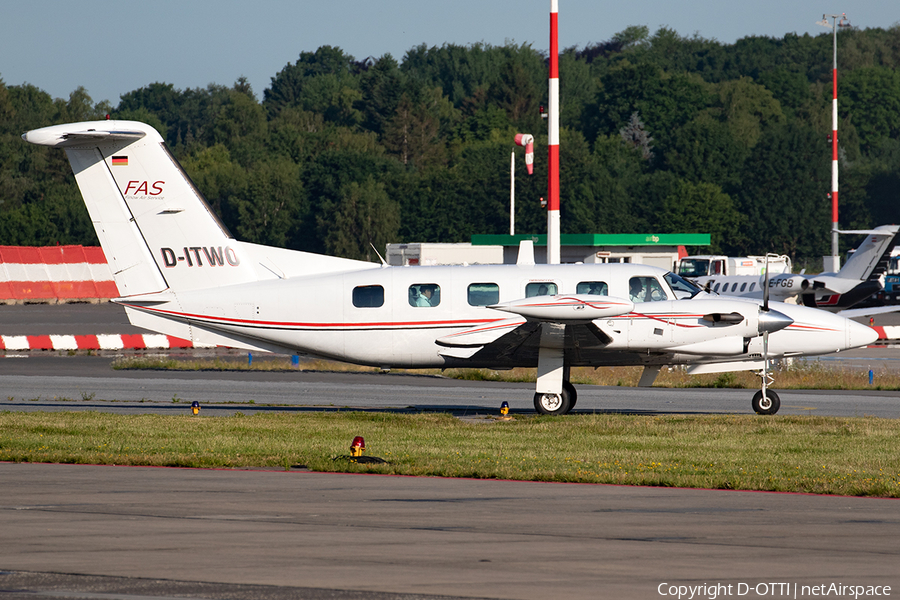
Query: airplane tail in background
870	260
155	228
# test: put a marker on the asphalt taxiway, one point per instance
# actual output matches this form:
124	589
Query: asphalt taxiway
133	533
43	381
307	535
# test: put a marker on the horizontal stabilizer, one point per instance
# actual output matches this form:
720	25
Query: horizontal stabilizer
63	136
888	230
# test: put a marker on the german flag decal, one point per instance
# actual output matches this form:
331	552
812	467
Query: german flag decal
120	161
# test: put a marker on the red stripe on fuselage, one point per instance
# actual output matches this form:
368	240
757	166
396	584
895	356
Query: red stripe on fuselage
384	324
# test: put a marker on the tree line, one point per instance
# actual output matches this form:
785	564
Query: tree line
659	133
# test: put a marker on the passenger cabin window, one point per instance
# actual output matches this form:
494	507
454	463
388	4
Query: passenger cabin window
716	289
595	288
752	286
540	288
368	296
743	286
483	294
645	289
424	294
733	287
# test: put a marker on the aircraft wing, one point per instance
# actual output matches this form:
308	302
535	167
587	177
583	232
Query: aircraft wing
466	343
516	338
851	313
520	335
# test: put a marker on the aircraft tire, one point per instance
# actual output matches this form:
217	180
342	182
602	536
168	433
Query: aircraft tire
767	406
552	404
573	393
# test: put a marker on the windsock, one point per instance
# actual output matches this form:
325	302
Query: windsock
527	140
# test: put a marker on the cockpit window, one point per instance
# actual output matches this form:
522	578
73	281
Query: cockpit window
645	289
682	287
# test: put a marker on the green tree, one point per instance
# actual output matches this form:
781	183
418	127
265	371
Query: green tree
269	207
870	96
701	208
381	86
364	218
327	71
784	194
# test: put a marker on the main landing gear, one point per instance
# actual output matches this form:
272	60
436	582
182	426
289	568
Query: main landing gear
549	403
554	394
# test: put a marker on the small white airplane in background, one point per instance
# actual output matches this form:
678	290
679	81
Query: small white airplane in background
857	280
181	273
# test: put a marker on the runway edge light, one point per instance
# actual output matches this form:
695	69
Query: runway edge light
504	408
358	446
195	407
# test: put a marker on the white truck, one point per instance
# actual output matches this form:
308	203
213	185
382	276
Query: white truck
706	265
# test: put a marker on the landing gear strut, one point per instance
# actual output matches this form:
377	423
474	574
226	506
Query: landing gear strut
765	401
554	394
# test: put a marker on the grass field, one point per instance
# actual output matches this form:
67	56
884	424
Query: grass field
820	455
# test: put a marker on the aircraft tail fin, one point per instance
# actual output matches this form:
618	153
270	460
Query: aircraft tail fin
871	258
155	228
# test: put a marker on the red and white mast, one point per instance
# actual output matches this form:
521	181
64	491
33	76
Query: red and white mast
553	131
835	258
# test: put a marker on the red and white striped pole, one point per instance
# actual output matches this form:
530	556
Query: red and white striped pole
834	165
835	257
553	131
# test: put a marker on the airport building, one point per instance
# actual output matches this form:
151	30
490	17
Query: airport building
656	249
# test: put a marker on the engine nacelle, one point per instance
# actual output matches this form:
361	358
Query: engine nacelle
574	307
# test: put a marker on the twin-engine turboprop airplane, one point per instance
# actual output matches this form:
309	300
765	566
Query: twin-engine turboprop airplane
857	280
181	273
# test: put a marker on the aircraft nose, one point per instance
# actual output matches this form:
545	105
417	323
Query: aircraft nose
772	320
860	335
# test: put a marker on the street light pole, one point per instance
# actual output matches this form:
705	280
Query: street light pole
835	258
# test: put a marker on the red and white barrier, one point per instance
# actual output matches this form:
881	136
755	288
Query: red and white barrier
887	332
94	342
55	274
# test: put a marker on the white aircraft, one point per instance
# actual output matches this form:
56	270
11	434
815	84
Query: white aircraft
836	292
181	273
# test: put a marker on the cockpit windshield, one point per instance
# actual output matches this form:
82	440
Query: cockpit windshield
682	287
